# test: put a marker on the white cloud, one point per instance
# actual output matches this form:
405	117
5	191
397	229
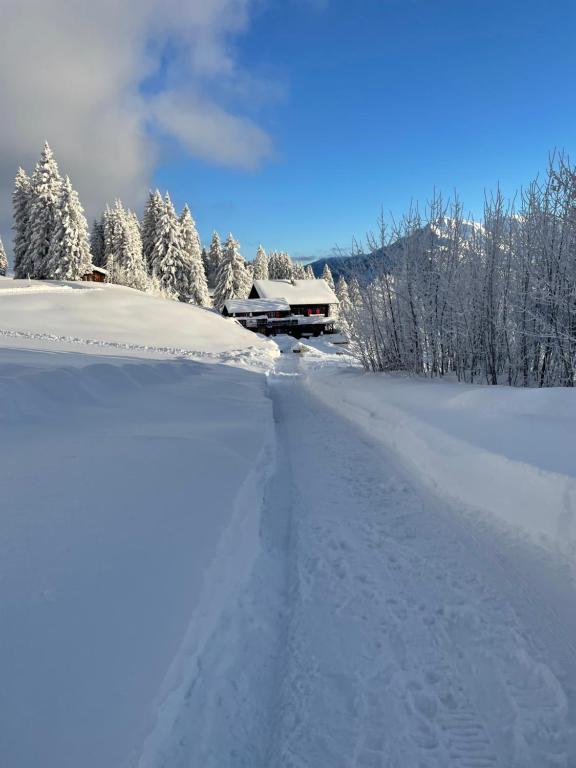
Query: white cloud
72	72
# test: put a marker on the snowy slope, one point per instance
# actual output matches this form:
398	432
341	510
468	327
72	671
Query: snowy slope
125	467
116	316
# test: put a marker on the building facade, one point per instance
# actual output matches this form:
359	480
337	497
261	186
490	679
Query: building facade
296	307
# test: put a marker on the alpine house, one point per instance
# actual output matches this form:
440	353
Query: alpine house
297	307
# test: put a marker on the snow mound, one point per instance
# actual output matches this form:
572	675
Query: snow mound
499	450
112	316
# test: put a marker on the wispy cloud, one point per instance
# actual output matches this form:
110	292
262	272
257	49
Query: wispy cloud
72	73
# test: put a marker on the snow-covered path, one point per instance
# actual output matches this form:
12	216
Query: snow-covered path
380	628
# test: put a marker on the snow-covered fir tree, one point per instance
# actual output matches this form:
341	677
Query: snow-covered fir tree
123	248
68	256
197	284
153	212
97	245
233	280
21	208
354	292
272	265
327	275
299	271
310	273
45	188
3	260
280	266
260	265
169	261
213	259
342	293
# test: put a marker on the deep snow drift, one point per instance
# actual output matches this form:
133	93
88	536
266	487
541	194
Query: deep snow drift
122	465
119	318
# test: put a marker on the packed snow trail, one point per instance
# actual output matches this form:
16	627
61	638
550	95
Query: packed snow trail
380	629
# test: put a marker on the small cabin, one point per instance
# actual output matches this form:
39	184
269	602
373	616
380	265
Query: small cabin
96	275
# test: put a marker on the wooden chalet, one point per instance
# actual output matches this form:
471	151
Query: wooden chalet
296	307
96	275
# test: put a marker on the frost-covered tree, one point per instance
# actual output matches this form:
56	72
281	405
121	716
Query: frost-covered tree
3	260
213	259
260	265
21	206
344	304
197	285
68	256
123	248
342	293
153	212
233	280
169	261
310	273
45	187
299	271
97	244
327	276
280	266
354	292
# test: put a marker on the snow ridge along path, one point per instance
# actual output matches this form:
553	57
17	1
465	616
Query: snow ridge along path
379	627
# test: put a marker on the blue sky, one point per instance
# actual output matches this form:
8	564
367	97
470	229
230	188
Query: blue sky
376	103
288	122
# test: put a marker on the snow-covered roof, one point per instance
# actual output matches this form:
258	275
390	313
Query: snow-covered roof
296	291
99	269
256	305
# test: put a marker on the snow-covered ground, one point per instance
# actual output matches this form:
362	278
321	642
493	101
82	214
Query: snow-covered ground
117	318
503	450
382	625
122	465
208	563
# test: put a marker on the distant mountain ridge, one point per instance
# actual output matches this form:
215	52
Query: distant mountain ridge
364	265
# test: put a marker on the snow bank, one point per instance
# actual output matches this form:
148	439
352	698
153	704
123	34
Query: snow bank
506	451
115	317
127	486
129	512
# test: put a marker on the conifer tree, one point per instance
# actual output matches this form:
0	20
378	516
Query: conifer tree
197	285
272	265
68	256
280	266
310	273
97	245
168	260
153	212
298	271
3	260
344	306
21	208
260	265
327	275
45	187
213	259
342	292
354	293
233	279
123	248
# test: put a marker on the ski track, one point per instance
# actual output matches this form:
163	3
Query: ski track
380	629
232	356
